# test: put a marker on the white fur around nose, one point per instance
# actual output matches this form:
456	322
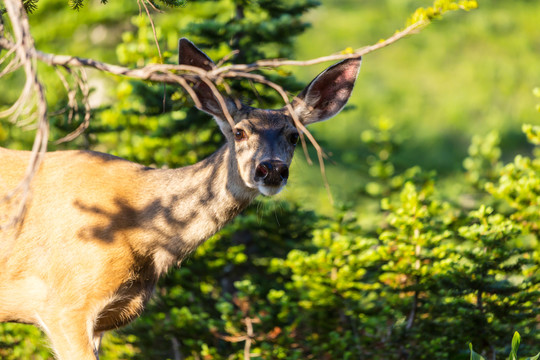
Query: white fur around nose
270	190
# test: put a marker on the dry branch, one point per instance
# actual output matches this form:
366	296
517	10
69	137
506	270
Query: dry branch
31	97
161	72
273	63
26	54
82	84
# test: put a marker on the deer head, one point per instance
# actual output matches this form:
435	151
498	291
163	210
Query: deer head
263	141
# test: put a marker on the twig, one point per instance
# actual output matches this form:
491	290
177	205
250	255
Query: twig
273	63
220	99
25	54
155	40
153	28
12	65
249	337
227	57
71	94
161	72
82	82
154	6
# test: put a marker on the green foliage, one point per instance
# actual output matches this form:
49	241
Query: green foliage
78	4
519	185
224	282
22	342
483	162
457	79
516	339
30	5
439	8
432	278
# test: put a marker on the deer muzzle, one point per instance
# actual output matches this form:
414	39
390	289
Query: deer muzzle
272	172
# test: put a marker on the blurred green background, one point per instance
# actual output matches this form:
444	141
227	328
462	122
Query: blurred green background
469	73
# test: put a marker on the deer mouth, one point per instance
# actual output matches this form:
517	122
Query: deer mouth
270	190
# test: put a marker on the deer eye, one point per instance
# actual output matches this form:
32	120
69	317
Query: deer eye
240	135
293	138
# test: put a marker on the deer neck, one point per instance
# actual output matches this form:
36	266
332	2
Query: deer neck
195	202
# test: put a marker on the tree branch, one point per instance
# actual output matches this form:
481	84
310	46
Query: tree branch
273	63
31	96
26	54
161	72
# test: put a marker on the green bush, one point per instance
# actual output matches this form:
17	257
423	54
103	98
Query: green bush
432	278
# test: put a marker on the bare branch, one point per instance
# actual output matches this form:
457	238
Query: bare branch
227	57
272	63
25	53
143	2
82	83
154	6
220	100
12	65
161	72
71	94
249	337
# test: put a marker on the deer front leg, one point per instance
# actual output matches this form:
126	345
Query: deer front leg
70	338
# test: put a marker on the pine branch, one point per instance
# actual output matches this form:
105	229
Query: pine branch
76	4
30	5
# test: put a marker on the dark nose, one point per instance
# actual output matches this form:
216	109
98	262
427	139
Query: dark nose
272	172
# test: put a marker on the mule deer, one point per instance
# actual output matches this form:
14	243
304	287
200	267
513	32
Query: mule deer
99	230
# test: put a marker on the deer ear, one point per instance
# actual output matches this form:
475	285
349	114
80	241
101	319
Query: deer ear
328	93
189	54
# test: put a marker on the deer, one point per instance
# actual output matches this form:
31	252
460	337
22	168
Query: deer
99	231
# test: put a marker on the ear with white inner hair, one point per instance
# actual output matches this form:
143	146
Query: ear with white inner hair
189	54
328	93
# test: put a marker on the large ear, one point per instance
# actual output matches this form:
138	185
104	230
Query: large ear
328	93
189	54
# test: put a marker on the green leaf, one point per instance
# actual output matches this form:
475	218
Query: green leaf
474	355
515	345
534	358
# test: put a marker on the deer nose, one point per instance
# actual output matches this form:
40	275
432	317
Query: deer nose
272	172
